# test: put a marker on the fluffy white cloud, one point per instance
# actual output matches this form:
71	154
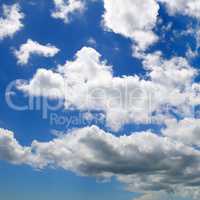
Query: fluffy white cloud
137	19
64	9
10	22
142	41
10	149
186	130
132	19
189	7
165	72
45	83
128	99
32	47
144	161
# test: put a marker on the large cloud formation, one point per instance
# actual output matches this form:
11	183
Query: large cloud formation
144	161
150	163
128	99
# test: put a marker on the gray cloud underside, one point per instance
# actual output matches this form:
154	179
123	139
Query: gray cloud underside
143	161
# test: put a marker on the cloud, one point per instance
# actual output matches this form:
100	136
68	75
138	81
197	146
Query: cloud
186	130
45	83
32	47
10	149
137	19
195	33
91	41
154	196
144	161
132	19
190	8
65	9
10	22
128	99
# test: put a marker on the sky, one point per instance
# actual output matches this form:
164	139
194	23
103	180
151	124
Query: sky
99	99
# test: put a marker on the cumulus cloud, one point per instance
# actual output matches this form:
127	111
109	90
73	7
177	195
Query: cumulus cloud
128	99
45	83
144	161
186	130
10	149
132	19
11	21
32	47
190	7
137	19
65	9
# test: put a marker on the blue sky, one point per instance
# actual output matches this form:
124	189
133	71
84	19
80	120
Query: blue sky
35	174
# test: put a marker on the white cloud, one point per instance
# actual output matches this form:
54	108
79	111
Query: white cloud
164	71
189	7
10	149
45	83
193	32
132	19
137	19
142	41
186	130
10	22
64	9
128	99
144	161
32	47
